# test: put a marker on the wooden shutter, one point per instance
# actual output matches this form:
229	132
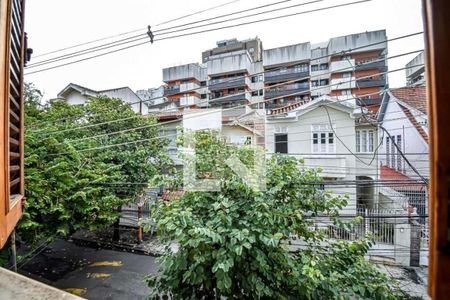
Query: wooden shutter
12	61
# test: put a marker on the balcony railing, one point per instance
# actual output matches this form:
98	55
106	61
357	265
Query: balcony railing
168	91
343	83
376	64
286	90
230	98
228	83
368	82
284	75
189	86
189	100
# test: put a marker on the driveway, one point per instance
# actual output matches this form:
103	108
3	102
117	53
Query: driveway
92	273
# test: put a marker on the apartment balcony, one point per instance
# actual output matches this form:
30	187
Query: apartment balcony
331	165
343	83
169	91
363	101
228	83
183	72
229	63
346	65
368	82
376	64
189	86
230	98
286	90
189	101
284	75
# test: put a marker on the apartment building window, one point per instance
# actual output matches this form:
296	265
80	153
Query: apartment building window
257	78
323	66
323	139
323	82
364	141
314	68
314	83
301	68
347	75
346	92
346	57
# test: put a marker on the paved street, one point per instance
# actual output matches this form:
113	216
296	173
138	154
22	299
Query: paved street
92	273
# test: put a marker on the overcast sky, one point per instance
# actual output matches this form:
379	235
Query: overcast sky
55	24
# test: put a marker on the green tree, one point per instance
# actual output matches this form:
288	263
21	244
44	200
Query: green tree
235	243
75	174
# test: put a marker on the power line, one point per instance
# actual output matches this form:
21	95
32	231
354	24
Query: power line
287	64
268	87
193	116
136	30
199	32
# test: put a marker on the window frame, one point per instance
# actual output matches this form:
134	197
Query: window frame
320	132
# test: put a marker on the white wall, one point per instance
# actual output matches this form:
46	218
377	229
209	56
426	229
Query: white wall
75	98
396	123
340	165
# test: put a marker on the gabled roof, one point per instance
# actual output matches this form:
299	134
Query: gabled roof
305	106
416	124
71	87
388	174
415	97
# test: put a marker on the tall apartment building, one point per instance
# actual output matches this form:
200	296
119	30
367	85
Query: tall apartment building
243	73
415	71
186	85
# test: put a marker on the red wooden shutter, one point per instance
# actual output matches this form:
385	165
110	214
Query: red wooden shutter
12	61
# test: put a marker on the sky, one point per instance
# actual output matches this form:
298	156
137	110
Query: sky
55	24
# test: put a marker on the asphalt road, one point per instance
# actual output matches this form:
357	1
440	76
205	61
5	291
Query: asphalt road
92	273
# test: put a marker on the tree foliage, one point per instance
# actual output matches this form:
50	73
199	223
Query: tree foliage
235	243
76	175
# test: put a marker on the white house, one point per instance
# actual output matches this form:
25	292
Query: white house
323	133
403	114
76	94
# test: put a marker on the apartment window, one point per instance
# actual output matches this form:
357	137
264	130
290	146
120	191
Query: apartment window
314	68
202	83
324	67
323	82
281	143
314	83
323	139
203	96
364	141
346	92
346	57
346	74
301	68
261	92
255	93
254	79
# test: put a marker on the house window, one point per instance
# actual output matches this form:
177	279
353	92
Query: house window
399	157
393	152
388	151
281	143
364	141
314	68
323	139
324	67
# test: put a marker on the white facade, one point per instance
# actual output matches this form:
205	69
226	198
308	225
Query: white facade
322	133
403	122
